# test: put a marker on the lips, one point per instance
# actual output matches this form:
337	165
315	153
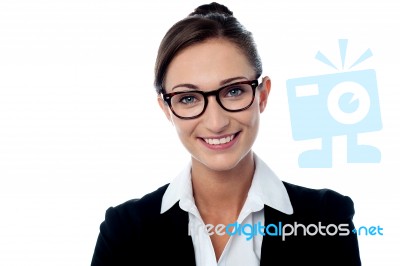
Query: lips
220	142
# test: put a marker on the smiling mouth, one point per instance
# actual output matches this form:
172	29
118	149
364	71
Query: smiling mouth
219	141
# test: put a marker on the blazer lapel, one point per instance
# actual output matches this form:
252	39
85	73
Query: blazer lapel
176	239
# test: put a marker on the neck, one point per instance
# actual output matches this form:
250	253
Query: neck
222	193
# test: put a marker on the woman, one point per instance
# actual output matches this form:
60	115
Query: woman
227	207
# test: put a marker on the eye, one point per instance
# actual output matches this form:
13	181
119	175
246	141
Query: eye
234	91
188	98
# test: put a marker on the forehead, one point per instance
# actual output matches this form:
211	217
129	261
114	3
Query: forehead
207	63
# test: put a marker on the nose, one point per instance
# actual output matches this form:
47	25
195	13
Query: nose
215	118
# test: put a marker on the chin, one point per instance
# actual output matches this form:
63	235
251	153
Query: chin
220	162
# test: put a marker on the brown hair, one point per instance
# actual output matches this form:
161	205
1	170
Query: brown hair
207	21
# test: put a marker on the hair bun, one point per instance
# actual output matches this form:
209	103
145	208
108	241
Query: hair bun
210	9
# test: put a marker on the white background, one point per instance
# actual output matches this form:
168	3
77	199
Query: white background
80	129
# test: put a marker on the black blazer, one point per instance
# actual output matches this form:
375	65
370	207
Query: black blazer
135	233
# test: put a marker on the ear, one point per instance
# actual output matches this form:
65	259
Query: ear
264	92
163	105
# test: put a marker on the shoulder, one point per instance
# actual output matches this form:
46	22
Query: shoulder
125	230
148	205
132	217
324	203
321	224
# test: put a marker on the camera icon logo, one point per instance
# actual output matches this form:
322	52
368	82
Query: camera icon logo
325	106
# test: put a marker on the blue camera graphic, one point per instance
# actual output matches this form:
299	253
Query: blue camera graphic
325	106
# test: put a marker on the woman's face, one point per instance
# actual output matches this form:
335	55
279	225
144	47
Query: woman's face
218	139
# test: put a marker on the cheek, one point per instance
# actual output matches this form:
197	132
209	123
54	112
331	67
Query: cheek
251	117
254	123
184	128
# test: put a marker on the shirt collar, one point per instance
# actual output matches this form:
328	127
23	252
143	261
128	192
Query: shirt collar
180	189
266	189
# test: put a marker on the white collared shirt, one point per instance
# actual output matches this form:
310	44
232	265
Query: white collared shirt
266	189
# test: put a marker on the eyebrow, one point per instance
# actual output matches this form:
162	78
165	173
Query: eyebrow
221	83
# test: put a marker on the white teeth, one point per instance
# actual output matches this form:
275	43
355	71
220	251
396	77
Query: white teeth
219	141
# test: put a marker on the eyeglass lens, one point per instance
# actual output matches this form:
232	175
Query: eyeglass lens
232	98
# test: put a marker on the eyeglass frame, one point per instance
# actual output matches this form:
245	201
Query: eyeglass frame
168	96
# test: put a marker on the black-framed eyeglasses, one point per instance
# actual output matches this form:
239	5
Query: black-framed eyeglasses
191	104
